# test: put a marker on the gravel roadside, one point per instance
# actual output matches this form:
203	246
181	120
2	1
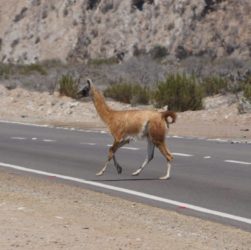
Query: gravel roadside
41	213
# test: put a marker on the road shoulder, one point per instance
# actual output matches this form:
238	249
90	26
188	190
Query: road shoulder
41	213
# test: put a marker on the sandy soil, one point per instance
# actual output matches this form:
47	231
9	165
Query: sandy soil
38	213
41	213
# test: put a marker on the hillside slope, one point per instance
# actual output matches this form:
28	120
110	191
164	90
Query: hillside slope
77	30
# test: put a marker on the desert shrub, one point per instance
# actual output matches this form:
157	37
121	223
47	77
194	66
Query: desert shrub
107	7
5	70
140	95
21	15
138	4
214	85
103	61
65	12
158	52
68	86
30	68
247	90
181	52
92	4
36	2
128	93
13	69
15	43
51	63
179	92
45	13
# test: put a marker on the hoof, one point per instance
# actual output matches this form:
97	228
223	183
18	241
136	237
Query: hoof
164	177
119	169
99	173
136	173
170	158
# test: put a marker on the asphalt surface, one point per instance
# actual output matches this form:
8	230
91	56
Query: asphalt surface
209	178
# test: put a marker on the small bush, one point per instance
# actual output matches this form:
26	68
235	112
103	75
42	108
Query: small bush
107	7
21	15
65	12
30	68
51	63
14	43
158	52
138	4
128	93
92	4
179	92
247	91
11	69
103	61
214	85
140	95
68	86
45	13
5	70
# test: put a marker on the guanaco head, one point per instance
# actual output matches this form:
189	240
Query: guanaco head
85	92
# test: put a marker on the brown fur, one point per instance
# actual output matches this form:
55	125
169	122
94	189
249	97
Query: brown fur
126	124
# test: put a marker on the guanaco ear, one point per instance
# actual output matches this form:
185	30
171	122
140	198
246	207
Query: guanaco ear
89	82
86	90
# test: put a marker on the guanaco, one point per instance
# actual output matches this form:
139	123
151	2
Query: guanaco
125	125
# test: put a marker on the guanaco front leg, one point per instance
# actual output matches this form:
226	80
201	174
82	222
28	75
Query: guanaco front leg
111	155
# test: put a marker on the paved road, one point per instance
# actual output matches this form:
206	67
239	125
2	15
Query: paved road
210	179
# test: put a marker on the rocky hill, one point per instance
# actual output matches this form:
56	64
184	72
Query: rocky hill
72	30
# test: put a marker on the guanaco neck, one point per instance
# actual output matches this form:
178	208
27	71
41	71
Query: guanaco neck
101	106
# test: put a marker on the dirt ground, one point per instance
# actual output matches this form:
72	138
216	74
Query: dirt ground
219	120
42	213
38	213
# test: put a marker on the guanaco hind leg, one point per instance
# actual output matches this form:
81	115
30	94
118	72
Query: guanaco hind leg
149	157
166	153
116	164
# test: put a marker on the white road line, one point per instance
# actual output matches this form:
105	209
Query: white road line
238	162
48	140
181	154
88	143
218	140
33	139
87	131
130	148
207	157
27	124
201	138
133	193
18	138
